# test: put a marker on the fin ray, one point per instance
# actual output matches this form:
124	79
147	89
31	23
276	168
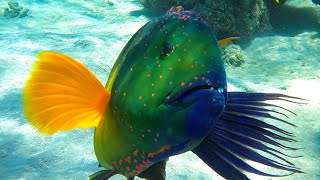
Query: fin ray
61	94
240	134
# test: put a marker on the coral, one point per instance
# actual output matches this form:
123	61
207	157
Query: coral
110	3
232	55
288	19
14	10
161	6
245	18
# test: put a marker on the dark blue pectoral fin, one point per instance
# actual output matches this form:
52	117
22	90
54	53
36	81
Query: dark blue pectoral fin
208	153
102	175
240	134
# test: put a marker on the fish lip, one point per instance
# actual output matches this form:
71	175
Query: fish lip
176	93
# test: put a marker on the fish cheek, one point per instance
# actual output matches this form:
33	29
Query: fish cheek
172	123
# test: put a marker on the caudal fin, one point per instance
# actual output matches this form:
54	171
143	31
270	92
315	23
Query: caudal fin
241	134
61	94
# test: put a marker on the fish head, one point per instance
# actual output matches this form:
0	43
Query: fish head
170	80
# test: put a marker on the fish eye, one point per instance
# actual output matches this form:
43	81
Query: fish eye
167	49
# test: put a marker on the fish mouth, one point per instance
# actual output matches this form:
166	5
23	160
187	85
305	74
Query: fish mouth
180	92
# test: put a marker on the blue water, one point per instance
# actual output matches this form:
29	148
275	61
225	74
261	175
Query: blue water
94	33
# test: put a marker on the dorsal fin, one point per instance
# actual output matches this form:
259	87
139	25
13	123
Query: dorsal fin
224	41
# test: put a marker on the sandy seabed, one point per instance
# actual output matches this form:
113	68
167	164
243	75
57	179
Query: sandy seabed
94	33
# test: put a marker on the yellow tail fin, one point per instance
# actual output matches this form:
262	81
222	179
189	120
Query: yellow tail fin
61	94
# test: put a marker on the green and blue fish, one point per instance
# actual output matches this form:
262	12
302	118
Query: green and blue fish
166	95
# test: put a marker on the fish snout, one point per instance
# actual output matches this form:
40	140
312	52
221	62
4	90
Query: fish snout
203	104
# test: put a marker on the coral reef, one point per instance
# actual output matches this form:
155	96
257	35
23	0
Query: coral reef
14	10
290	20
228	18
245	18
232	55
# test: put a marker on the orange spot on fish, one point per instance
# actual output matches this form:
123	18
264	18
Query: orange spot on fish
160	76
138	167
144	162
152	94
135	152
128	159
168	97
120	162
128	168
161	150
182	83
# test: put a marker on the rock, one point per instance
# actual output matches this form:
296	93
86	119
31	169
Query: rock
110	3
229	18
14	10
232	55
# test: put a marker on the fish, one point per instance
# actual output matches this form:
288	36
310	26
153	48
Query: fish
166	94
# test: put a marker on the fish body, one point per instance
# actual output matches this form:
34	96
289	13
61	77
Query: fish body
156	67
166	94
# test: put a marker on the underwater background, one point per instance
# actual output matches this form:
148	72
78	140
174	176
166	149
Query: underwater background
285	60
